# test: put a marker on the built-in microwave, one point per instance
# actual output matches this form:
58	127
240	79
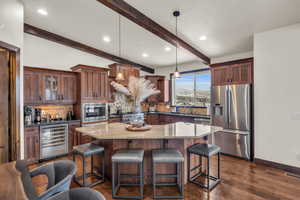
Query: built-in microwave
92	112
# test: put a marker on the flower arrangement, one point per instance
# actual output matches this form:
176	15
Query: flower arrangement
138	90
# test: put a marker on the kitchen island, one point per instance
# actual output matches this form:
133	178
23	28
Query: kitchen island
180	135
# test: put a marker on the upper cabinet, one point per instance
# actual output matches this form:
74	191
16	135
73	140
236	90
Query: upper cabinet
234	72
93	83
32	87
162	84
126	70
43	86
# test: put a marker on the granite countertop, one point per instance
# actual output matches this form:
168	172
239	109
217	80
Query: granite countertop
52	122
169	113
179	130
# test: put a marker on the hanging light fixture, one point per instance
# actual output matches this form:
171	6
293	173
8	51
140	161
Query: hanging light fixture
120	75
176	73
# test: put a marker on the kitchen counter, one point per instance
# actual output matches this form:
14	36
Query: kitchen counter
179	130
51	123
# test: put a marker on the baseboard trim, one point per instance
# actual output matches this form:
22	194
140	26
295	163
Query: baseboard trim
287	168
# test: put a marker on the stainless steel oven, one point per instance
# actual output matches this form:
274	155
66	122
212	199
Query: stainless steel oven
53	140
92	112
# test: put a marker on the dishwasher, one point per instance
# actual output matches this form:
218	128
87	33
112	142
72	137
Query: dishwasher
53	140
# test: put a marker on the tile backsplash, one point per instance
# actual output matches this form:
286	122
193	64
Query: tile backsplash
55	110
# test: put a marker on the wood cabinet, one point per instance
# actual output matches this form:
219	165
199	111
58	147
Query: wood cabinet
68	88
32	87
93	83
45	86
73	140
126	70
162	84
32	144
234	72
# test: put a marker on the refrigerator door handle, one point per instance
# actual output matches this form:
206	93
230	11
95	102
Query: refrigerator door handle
247	104
229	104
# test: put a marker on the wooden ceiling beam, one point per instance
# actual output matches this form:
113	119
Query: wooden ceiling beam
126	10
82	47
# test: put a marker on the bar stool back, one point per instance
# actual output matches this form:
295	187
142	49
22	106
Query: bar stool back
204	150
86	150
168	156
127	156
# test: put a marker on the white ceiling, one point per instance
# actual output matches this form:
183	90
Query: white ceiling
228	24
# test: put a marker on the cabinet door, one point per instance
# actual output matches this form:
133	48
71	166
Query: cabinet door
163	86
51	87
100	86
87	85
72	135
96	85
103	83
246	73
220	75
32	90
32	144
68	88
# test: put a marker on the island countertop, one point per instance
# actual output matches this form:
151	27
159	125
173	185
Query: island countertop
179	130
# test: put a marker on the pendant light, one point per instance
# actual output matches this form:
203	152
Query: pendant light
120	75
176	73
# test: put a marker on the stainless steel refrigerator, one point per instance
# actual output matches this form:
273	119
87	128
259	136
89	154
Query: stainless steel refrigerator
231	109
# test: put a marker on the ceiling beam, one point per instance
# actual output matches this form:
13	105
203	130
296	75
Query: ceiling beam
82	47
126	10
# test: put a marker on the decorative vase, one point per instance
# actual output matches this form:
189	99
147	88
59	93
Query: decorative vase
137	107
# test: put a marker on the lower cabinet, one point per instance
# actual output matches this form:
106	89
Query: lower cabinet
72	135
32	144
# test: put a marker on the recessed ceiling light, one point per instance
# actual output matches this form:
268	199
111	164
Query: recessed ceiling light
106	39
167	48
42	12
145	55
203	37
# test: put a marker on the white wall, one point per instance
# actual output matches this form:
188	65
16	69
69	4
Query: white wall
11	32
43	53
277	95
11	22
167	70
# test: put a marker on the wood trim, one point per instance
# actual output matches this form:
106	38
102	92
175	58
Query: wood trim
246	60
14	74
30	68
80	46
142	20
287	168
87	67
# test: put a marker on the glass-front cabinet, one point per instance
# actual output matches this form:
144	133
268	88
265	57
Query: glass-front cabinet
51	87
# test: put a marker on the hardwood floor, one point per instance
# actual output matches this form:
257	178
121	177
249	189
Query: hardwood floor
241	180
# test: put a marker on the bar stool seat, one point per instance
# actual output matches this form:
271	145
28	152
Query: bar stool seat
86	150
168	156
206	150
128	156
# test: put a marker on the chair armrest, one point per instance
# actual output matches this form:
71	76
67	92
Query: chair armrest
44	169
63	185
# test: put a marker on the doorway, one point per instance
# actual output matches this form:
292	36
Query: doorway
9	103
